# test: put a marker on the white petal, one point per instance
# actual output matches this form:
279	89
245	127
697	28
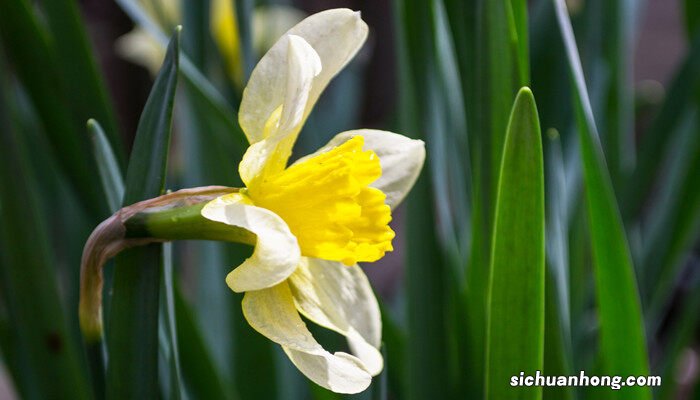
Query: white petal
303	65
401	159
276	253
340	298
282	127
336	35
271	312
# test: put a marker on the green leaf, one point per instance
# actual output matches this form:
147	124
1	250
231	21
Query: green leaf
168	327
133	330
501	75
46	362
519	33
492	48
110	173
113	185
558	226
557	354
673	225
253	354
428	274
199	371
394	354
84	87
623	345
515	338
691	11
35	62
617	47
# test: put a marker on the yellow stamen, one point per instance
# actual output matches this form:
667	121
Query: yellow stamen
328	204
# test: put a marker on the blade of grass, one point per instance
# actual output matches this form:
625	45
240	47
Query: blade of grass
133	329
394	354
623	345
549	69
426	319
617	45
107	164
501	75
34	62
84	87
48	363
169	325
674	223
558	226
515	314
201	376
253	356
519	34
501	68
426	268
557	353
583	336
113	185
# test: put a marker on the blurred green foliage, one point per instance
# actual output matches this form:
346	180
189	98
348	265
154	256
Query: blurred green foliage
570	248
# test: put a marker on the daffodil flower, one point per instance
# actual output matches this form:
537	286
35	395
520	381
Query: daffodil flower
320	216
310	222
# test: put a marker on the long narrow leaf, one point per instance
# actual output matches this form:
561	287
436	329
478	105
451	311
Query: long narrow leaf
34	61
133	329
107	164
426	269
623	345
674	224
515	338
85	89
168	325
201	376
47	361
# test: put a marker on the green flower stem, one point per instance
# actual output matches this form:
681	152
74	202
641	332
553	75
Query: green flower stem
174	216
184	223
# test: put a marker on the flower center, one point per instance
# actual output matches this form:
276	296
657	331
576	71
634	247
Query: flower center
327	203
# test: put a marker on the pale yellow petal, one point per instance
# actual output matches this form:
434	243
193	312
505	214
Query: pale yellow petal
303	65
340	374
272	313
283	124
336	35
276	253
340	298
401	159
